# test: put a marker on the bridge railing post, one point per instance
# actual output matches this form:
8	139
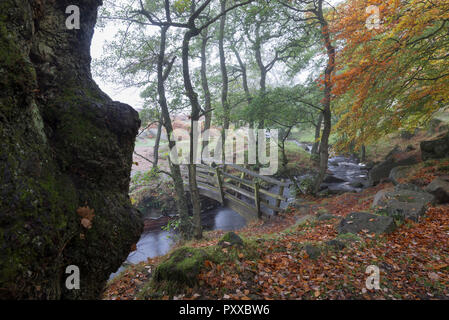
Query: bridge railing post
242	176
220	184
281	194
257	199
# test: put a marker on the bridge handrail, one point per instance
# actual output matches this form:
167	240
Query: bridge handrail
213	180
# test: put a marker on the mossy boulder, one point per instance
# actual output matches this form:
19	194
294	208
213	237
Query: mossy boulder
439	187
64	144
182	267
403	203
230	239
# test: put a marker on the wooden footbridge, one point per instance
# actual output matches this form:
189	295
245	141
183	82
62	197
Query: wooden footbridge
242	190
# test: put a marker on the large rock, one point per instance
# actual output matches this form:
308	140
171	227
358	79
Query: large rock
439	187
435	149
230	239
382	170
379	196
398	173
357	221
332	179
403	203
407	186
64	145
181	267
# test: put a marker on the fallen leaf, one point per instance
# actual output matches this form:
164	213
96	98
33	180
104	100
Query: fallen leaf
86	223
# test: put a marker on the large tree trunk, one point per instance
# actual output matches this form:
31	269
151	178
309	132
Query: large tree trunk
205	85
316	144
330	50
224	78
180	198
195	115
263	80
157	143
223	68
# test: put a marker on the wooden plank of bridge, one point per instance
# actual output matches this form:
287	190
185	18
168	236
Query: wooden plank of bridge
245	182
238	190
273	195
244	209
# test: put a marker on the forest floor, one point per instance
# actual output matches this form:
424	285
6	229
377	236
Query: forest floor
413	260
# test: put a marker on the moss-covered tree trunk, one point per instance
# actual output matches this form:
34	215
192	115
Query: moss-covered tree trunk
205	84
64	145
327	123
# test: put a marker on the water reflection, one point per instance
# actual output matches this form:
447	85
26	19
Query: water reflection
156	242
150	245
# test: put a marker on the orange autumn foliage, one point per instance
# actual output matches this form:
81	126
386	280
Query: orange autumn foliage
393	76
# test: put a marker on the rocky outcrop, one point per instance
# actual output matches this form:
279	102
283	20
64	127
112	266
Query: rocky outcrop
435	149
439	187
64	145
398	173
364	221
382	170
402	203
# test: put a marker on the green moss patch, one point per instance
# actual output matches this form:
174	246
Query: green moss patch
182	266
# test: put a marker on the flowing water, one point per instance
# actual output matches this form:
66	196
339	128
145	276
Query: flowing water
344	174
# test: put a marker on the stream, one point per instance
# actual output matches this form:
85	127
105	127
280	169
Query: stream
345	174
157	242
